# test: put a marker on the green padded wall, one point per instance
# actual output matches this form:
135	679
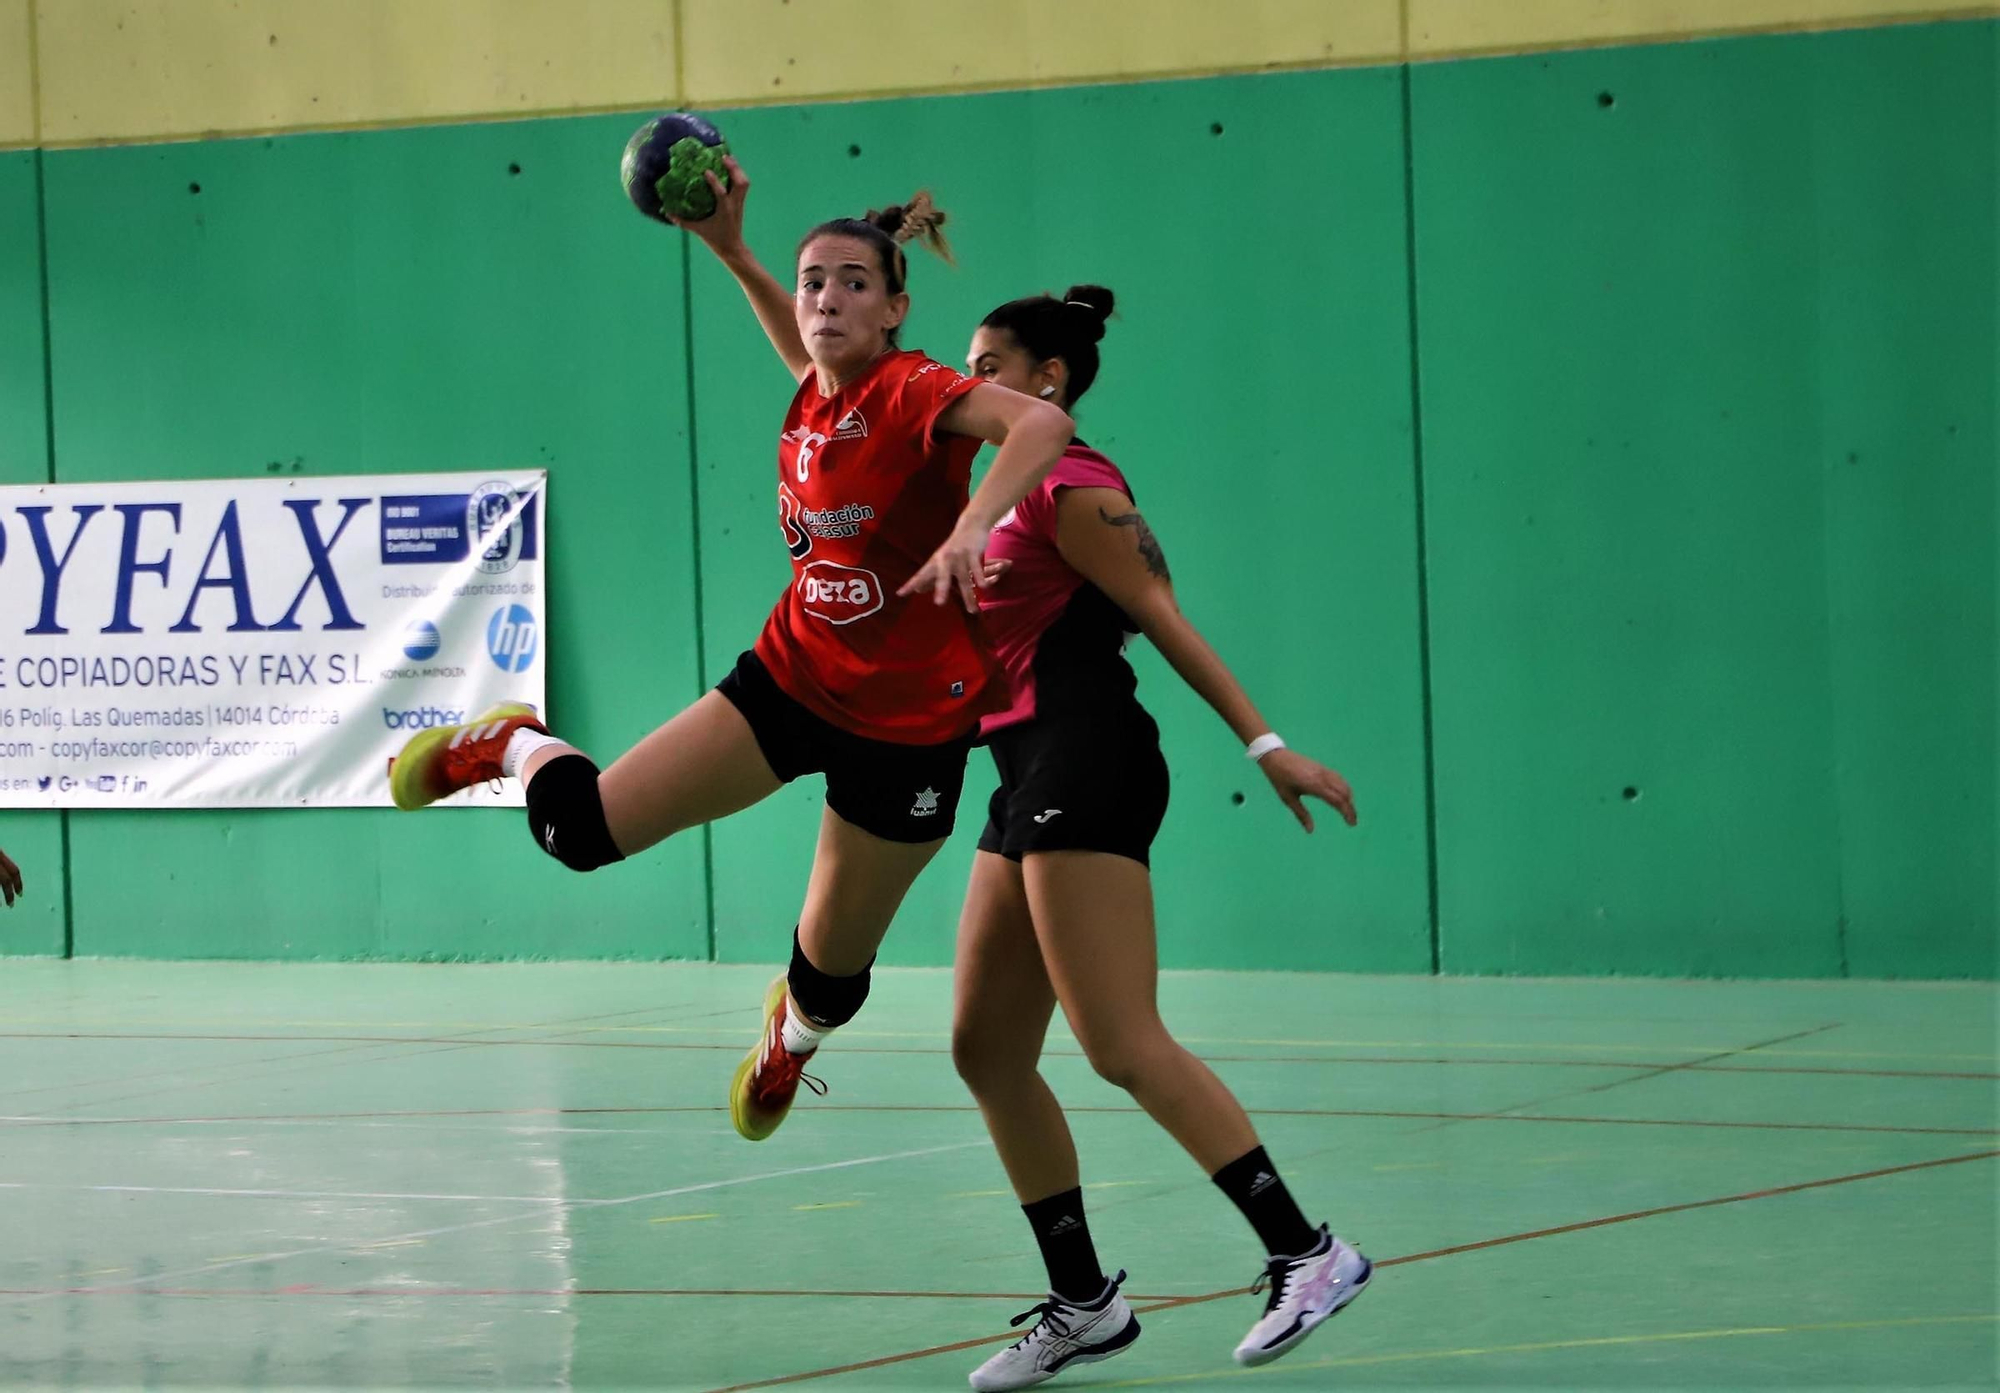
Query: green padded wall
33	839
1912	455
381	302
1706	376
1709	449
1256	392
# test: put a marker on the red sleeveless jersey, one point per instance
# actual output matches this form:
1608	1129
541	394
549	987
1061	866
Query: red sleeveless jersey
868	488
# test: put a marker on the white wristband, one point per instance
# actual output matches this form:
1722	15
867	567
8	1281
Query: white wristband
1263	745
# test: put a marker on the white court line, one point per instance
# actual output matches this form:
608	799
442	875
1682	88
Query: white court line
411	1124
158	1277
278	1194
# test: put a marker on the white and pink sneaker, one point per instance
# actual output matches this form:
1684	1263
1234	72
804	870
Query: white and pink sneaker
1305	1290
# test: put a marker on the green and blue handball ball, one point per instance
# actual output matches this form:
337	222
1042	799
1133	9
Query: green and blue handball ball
664	163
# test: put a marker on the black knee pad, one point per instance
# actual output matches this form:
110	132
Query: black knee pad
826	1001
566	814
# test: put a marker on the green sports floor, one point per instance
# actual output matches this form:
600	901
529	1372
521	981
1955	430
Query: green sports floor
524	1176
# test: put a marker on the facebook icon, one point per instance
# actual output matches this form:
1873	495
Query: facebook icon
512	638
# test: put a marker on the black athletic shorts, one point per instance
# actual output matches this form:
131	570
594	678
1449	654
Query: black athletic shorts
900	793
1078	782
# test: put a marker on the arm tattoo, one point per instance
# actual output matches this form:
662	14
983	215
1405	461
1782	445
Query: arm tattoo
1149	545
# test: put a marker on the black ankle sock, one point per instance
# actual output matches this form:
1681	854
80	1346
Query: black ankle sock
1253	1186
1067	1251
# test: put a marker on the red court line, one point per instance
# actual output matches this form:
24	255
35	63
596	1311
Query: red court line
1654	1073
1853	1073
1612	1121
1647	1074
1662	1066
1178	1301
1565	1120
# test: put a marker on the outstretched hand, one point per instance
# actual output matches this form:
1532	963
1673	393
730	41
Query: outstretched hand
10	878
961	561
1294	778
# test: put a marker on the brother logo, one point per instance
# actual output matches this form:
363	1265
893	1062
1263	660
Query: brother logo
421	718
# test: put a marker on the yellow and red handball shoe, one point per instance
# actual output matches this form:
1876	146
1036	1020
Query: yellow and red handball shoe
768	1079
438	762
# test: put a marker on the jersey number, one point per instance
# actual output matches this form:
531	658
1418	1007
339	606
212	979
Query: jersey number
809	447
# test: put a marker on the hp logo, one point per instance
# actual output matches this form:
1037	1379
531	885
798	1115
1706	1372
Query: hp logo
421	641
511	638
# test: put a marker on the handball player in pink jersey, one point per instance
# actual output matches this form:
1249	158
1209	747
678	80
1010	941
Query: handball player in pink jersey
1060	904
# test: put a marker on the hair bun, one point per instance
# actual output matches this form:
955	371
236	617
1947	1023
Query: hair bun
919	220
1093	302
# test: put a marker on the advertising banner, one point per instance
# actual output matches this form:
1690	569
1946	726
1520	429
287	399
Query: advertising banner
260	643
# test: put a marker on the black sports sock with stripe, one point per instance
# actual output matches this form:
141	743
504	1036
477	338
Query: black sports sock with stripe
1064	1238
1253	1186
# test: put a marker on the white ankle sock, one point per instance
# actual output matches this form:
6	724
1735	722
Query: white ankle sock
800	1035
520	745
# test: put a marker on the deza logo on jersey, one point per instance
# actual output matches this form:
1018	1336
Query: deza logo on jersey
839	594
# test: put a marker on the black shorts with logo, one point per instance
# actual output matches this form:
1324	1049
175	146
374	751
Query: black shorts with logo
900	793
1092	781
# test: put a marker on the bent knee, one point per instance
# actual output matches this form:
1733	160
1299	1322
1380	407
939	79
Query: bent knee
566	814
1129	1061
988	1060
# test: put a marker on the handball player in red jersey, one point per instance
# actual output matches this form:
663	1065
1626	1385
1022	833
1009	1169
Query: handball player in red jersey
1060	905
871	670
